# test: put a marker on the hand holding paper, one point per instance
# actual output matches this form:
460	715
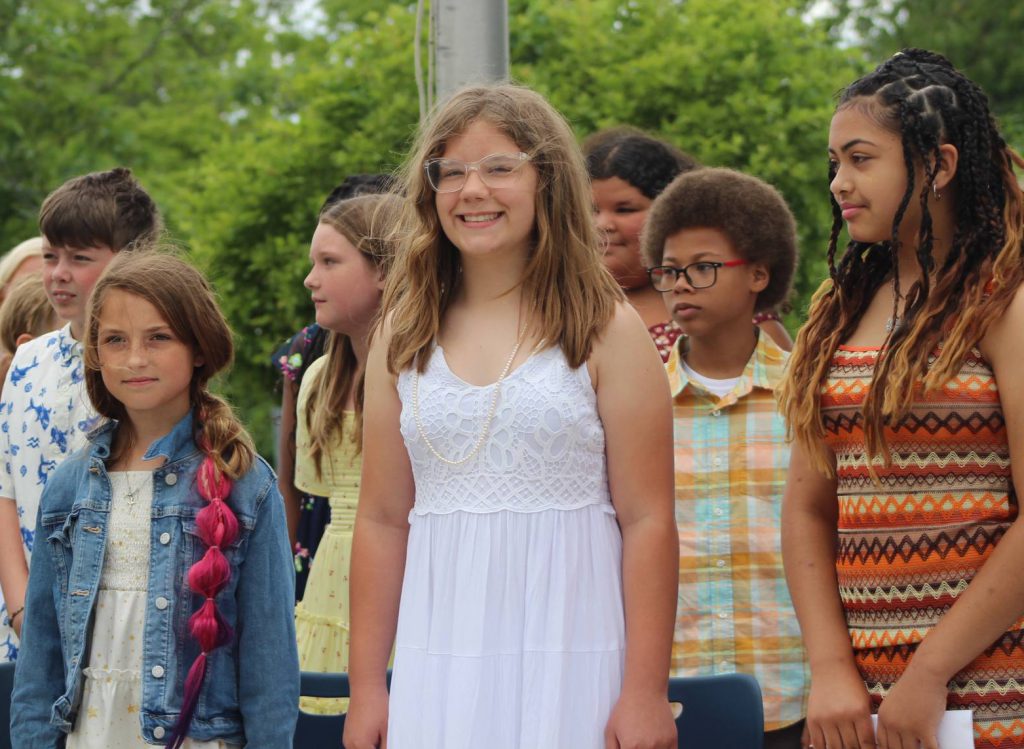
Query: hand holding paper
956	729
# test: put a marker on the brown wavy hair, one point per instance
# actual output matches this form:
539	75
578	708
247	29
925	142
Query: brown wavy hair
185	299
920	96
367	222
564	280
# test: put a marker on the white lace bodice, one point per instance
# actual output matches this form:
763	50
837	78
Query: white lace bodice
545	449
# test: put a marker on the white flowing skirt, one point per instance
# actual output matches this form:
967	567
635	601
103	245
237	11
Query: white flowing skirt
511	632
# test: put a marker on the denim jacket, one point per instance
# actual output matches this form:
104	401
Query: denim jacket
251	691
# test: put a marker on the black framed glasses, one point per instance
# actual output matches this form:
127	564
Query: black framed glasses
700	275
496	170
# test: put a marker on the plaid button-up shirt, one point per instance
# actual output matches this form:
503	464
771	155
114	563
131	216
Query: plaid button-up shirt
734	610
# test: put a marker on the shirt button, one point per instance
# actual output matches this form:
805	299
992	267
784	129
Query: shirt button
720	563
165	538
158	672
158	732
171	479
716	462
716	412
724	664
722	615
718	511
161	603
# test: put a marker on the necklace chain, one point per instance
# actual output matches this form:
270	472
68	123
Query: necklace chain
487	422
132	495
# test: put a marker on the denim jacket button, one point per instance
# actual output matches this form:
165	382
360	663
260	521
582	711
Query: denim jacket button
165	538
158	672
161	603
158	732
171	479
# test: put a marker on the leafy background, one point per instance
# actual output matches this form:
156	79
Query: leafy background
241	115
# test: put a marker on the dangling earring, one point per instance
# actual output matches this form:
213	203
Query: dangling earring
935	191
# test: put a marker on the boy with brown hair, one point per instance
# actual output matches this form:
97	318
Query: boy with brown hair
721	246
45	410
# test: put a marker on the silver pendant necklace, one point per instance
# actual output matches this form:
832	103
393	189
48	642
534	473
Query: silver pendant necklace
132	494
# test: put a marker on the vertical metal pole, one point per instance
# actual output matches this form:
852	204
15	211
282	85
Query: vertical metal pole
471	43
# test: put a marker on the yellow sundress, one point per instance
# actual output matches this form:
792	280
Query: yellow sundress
322	617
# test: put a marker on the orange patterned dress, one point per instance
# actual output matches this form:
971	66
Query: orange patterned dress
911	543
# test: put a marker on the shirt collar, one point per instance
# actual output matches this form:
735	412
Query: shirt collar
171	446
764	370
70	347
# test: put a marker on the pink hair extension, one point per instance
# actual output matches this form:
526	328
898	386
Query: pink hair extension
217	527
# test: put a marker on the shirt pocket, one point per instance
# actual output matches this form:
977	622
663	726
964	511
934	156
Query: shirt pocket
61	532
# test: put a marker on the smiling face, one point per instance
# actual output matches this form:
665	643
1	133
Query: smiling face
344	283
733	297
620	210
69	275
143	363
870	176
481	220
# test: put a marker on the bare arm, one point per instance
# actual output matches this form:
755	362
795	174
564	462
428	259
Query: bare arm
839	709
995	597
286	461
635	407
778	333
378	552
13	567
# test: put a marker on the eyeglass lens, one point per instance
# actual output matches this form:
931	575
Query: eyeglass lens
497	170
698	275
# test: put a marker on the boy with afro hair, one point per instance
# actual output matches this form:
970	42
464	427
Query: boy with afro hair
721	246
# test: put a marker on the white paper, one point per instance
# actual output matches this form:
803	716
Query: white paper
956	729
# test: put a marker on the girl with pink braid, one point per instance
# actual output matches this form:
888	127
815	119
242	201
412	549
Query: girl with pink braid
160	609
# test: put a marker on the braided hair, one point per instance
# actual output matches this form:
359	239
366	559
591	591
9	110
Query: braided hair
925	100
185	300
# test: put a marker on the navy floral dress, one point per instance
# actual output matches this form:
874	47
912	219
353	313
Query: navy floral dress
292	360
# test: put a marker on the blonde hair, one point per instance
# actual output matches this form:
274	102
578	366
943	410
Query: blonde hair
26	309
14	257
367	222
185	299
564	280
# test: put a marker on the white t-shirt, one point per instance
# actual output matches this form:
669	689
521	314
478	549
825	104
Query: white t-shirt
715	387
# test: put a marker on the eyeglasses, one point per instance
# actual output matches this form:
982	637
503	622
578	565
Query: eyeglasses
496	171
700	275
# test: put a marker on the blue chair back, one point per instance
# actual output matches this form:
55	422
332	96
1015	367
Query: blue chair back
316	731
724	711
6	689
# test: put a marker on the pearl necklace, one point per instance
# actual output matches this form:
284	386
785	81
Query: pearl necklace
490	415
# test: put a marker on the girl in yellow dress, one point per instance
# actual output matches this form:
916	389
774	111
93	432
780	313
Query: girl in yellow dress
350	256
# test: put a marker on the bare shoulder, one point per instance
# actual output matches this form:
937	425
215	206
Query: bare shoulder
624	347
1002	341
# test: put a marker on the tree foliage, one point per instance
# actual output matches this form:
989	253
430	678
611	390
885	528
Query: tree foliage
241	117
980	38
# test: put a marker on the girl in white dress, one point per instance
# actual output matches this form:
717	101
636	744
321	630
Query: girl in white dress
515	523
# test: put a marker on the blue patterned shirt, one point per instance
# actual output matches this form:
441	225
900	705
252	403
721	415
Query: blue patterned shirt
45	415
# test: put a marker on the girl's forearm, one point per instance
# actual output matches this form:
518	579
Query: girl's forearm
13	567
809	553
377	569
650	578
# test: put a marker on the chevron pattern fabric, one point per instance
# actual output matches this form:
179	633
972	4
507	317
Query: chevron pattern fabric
912	537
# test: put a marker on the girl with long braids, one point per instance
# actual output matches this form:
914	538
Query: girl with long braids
159	605
906	403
